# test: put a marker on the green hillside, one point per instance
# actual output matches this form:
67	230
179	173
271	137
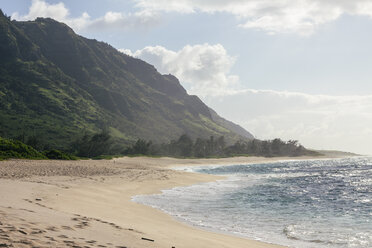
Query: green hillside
16	149
57	85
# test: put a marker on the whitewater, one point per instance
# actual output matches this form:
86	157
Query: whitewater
304	204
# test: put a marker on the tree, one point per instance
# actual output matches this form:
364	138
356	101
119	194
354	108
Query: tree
35	142
92	145
276	146
200	148
185	146
141	147
220	145
100	143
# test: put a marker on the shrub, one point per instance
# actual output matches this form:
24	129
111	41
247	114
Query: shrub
17	149
56	154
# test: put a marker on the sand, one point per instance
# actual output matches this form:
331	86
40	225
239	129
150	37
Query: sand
88	204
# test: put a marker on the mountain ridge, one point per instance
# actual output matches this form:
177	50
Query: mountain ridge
56	84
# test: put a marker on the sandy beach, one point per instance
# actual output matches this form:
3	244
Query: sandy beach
88	203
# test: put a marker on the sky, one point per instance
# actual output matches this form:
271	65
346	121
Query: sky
292	69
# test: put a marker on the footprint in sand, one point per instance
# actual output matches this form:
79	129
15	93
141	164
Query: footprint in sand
37	231
50	238
27	210
23	232
4	235
52	228
67	228
70	242
25	242
115	226
10	228
83	222
81	225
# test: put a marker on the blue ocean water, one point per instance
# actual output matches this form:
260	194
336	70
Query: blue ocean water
313	203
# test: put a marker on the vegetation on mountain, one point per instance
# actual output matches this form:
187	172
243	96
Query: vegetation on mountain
62	94
56	85
17	149
92	145
59	155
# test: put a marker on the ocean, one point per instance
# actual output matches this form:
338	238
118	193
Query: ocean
302	204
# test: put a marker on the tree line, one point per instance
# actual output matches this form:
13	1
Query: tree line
101	144
88	145
184	146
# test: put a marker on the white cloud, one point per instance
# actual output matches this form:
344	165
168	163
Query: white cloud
117	20
114	20
273	16
42	9
126	51
204	69
318	121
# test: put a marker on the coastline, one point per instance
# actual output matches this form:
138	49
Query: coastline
88	203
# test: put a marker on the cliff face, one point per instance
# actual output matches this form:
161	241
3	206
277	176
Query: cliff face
55	83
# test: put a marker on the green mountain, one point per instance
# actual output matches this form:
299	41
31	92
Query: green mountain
56	85
230	125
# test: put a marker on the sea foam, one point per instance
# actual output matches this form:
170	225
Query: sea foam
304	204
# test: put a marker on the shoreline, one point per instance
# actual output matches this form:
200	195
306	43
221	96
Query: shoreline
88	203
217	162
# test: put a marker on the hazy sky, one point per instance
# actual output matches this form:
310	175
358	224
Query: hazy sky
294	69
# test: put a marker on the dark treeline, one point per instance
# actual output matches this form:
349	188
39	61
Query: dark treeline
216	147
102	145
88	145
